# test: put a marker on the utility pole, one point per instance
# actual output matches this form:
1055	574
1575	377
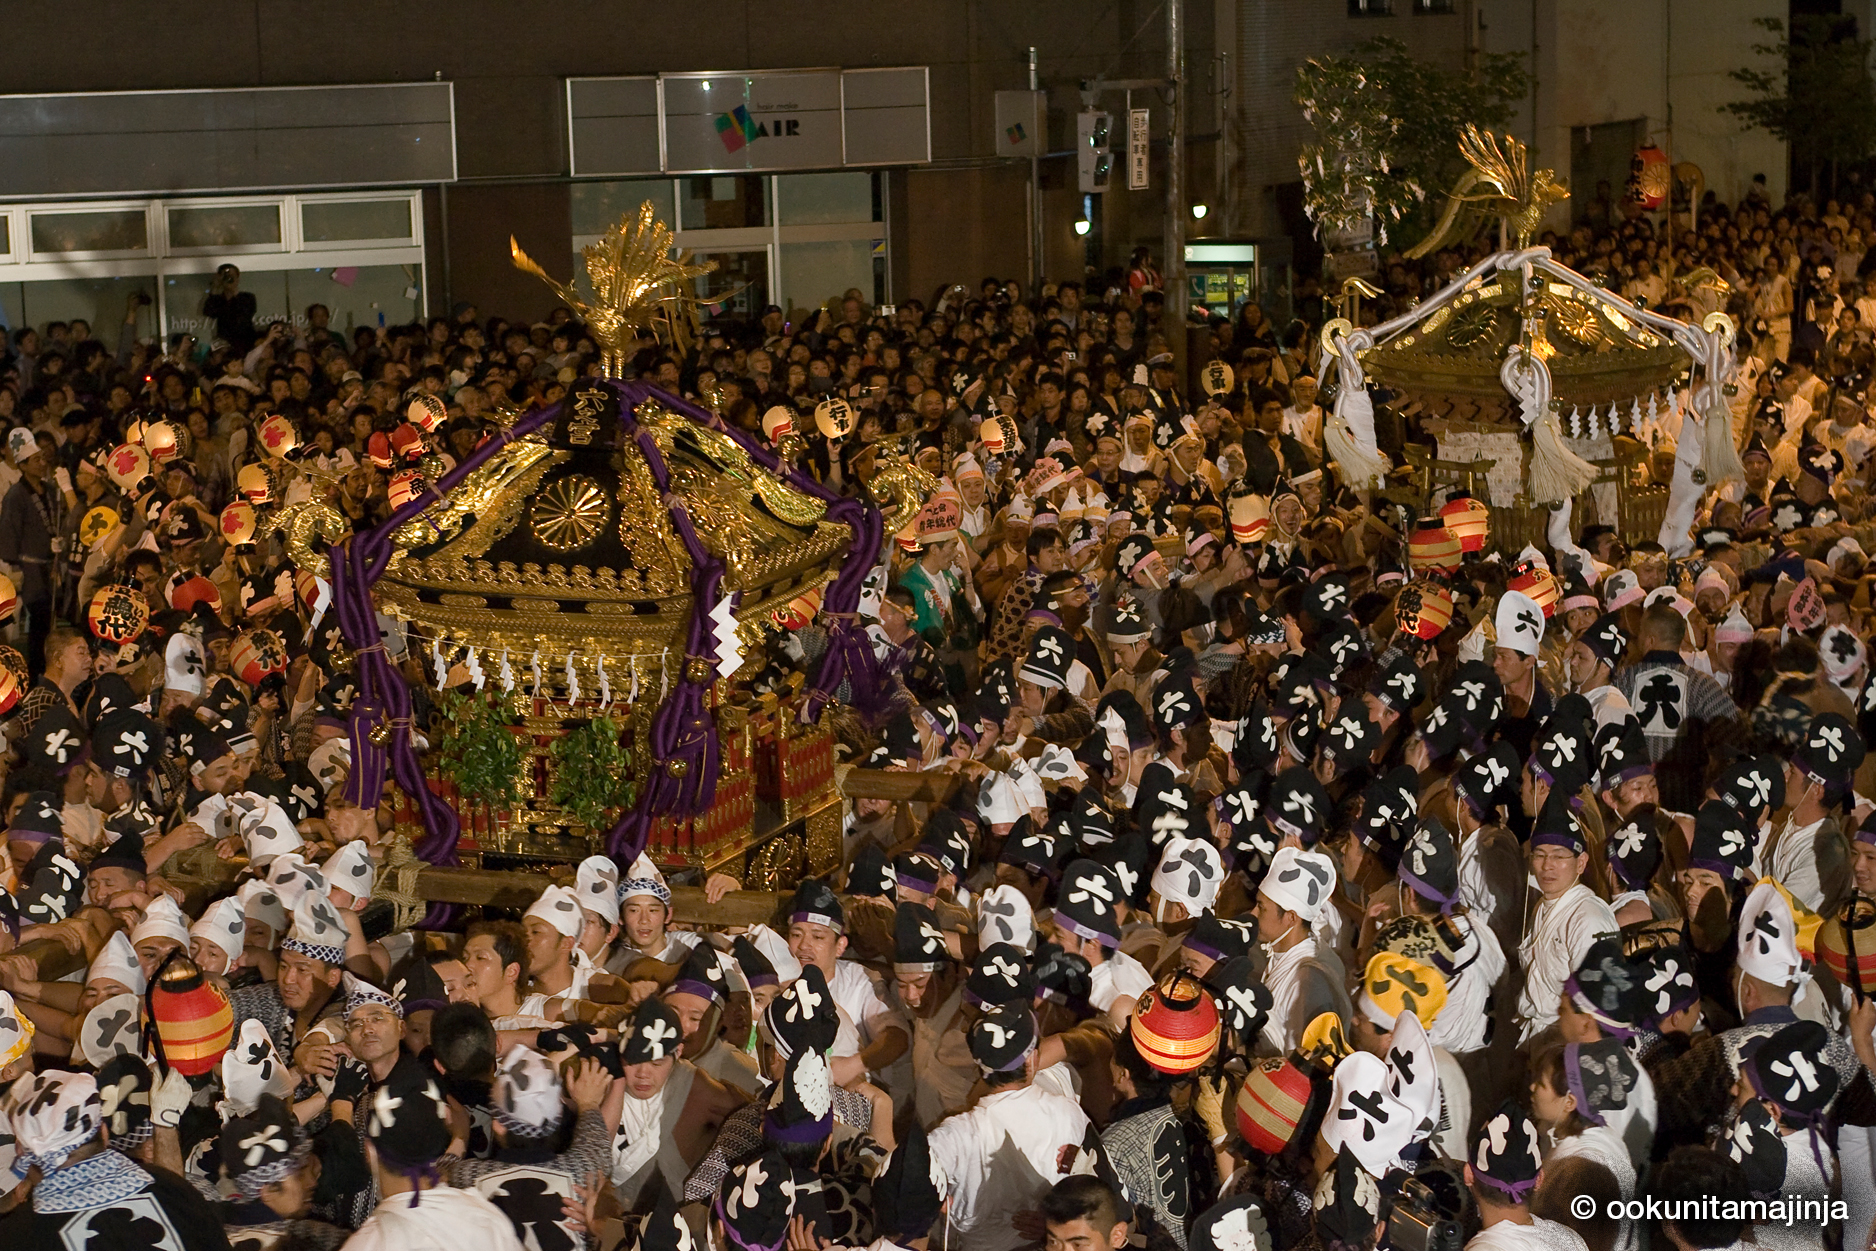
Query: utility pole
1174	262
1036	264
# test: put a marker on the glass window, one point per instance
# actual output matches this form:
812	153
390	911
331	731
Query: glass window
597	206
813	273
6	234
824	199
100	301
183	295
738	287
102	230
357	295
723	202
331	221
225	226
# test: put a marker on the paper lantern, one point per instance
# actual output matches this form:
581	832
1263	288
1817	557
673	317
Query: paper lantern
907	535
1423	610
14	663
1648	177
426	412
799	611
238	522
255	484
1846	943
194	1021
255	654
1433	546
405	487
1540	584
98	524
9	599
277	436
1471	520
378	450
164	440
1216	378
133	433
1250	518
117	614
1272	1103
407	443
185	595
129	467
9	692
1175	1024
835	417
309	586
778	423
991	432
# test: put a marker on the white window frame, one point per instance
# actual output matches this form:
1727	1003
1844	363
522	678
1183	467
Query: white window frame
771	238
159	261
288	221
414	239
151	225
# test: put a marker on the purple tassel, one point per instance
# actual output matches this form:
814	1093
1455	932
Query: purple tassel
683	728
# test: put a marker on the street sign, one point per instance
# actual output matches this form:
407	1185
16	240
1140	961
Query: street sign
1019	123
1136	150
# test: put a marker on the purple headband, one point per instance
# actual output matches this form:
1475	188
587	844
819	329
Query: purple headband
1749	1064
1092	935
1422	888
1515	1190
703	990
907	882
800	1132
1583	1004
819	918
761	979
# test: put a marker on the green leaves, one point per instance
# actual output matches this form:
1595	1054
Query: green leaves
478	751
593	773
1817	95
1387	129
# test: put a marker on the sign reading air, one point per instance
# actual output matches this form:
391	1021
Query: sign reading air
723	123
738	129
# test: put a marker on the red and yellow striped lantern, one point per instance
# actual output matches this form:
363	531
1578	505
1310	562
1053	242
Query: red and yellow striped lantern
799	611
9	599
1540	584
1846	943
378	450
194	1020
1471	520
9	691
255	654
1423	610
1272	1103
117	614
426	412
778	423
277	435
163	440
1648	176
1176	1025
306	583
1433	546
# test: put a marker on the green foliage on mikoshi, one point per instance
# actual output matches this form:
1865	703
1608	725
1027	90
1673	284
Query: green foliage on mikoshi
593	773
478	751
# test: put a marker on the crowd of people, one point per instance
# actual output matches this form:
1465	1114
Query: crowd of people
1308	876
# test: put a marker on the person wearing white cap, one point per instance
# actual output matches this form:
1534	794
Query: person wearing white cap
350	874
1519	627
596	883
163	929
216	941
1304	982
553	926
644	913
1186	883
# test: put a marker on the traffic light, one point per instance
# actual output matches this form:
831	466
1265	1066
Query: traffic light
1094	159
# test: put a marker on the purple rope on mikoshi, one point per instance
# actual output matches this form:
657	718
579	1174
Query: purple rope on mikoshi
685	760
